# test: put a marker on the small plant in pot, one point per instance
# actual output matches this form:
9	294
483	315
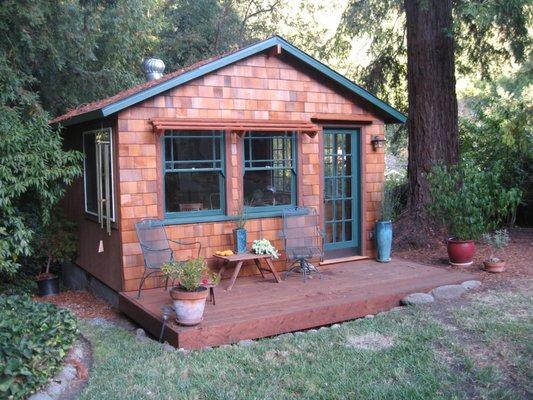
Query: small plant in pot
383	227
190	294
55	242
240	235
498	241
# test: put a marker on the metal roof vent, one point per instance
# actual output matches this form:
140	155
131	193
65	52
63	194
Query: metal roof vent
153	68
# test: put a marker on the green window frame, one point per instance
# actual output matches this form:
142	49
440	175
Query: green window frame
188	155
278	158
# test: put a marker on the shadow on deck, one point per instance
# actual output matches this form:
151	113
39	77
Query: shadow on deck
257	307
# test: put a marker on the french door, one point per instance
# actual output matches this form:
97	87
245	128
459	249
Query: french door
341	190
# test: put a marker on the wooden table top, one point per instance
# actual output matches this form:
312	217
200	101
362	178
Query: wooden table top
243	256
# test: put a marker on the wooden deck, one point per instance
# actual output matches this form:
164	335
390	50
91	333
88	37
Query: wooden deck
258	307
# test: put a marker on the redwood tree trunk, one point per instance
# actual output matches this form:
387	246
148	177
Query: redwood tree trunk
432	123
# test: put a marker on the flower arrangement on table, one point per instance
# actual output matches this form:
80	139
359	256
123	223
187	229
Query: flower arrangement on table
263	246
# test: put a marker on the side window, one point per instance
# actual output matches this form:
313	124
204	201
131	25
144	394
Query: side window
269	170
98	175
194	172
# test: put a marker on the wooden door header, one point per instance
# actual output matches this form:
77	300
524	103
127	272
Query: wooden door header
233	125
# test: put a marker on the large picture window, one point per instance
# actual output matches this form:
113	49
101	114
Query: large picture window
194	172
98	175
269	170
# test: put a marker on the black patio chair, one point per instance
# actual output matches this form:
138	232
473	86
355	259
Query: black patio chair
156	248
303	241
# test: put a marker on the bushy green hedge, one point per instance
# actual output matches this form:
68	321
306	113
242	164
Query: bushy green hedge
34	338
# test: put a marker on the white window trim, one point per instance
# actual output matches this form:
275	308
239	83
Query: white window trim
112	170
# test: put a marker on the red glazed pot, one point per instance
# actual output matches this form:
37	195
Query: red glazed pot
461	252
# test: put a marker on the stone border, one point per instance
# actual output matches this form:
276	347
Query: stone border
73	376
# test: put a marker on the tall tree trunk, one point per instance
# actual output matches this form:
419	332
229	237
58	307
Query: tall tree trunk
432	123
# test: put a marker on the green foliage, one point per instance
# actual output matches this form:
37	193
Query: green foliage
191	274
56	241
34	338
489	35
469	201
394	197
499	130
33	173
498	241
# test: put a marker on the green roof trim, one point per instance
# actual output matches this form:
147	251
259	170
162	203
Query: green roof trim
394	116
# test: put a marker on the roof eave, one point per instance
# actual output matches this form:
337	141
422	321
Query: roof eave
390	114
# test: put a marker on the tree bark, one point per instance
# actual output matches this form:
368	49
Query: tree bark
432	122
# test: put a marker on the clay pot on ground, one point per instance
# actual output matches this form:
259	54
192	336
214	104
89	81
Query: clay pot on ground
461	252
189	306
494	266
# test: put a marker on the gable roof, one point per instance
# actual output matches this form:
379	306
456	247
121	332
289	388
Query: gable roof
136	94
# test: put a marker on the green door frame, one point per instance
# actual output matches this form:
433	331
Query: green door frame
354	135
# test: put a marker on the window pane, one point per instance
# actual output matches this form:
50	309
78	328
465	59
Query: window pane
187	188
192	191
267	188
193	150
90	172
268	160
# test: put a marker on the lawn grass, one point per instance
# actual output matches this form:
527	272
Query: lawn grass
423	356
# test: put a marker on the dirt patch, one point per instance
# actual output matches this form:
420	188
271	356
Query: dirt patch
370	341
518	255
82	303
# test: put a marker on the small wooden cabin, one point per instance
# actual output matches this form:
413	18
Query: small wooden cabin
264	127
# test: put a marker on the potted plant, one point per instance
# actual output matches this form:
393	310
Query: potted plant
468	201
55	242
263	246
498	241
383	226
239	233
190	294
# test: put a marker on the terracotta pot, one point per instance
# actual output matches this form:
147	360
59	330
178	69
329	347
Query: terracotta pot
494	266
189	306
461	252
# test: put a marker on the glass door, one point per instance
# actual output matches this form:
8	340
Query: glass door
341	189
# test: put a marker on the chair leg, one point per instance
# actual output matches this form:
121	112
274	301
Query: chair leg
166	283
141	285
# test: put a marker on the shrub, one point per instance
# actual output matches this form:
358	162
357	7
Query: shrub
469	201
34	338
394	197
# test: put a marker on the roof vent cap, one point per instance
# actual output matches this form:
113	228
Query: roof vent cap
153	68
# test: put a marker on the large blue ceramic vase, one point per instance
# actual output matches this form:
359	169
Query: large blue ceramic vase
384	240
239	238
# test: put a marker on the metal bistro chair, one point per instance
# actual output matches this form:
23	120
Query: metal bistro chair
156	248
303	240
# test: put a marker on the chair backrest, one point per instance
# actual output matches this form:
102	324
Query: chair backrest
154	242
301	229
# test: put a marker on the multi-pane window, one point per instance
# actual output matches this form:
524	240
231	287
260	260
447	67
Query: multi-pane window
269	169
98	174
194	172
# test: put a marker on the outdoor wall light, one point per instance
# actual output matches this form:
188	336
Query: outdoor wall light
167	311
377	142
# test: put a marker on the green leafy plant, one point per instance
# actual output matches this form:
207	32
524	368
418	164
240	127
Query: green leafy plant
57	241
469	201
498	241
34	338
263	246
190	274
